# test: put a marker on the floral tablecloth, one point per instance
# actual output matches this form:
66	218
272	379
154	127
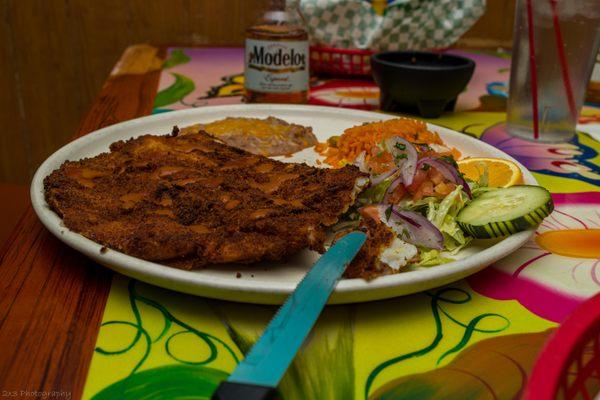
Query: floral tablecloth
474	339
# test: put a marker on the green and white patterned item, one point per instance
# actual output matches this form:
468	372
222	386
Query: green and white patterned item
403	24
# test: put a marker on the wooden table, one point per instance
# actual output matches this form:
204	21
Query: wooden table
51	297
15	199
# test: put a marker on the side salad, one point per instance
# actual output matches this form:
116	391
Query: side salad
417	190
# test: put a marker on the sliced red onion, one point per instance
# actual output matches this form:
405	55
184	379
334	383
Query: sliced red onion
447	170
411	227
375	179
395	183
361	163
420	230
405	157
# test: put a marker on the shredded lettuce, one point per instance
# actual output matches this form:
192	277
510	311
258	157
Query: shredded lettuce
419	205
442	212
431	257
443	216
477	189
375	193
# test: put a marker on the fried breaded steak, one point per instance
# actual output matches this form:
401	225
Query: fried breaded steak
367	264
191	200
269	136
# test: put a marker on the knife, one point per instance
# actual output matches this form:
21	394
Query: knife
257	376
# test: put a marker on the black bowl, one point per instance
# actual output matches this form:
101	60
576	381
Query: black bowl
420	82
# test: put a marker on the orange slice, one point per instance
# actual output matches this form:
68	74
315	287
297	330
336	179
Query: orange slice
501	172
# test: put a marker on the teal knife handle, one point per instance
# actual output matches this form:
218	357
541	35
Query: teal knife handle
238	391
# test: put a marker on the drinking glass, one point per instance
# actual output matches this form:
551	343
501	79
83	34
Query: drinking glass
555	44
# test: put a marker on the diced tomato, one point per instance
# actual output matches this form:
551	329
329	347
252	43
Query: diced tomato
370	212
417	195
435	176
430	183
419	177
444	188
398	194
427	188
424	190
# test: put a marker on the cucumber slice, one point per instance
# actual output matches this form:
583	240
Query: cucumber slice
504	211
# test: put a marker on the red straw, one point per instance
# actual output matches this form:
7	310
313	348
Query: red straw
560	47
533	71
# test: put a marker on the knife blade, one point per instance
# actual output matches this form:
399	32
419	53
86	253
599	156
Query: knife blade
257	376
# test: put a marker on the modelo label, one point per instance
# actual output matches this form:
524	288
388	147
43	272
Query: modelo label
276	67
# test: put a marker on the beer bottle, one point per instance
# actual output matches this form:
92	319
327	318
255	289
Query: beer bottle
276	59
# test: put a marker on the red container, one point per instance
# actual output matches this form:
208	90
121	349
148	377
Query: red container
569	365
340	62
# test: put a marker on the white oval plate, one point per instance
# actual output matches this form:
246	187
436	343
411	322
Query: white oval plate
267	283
